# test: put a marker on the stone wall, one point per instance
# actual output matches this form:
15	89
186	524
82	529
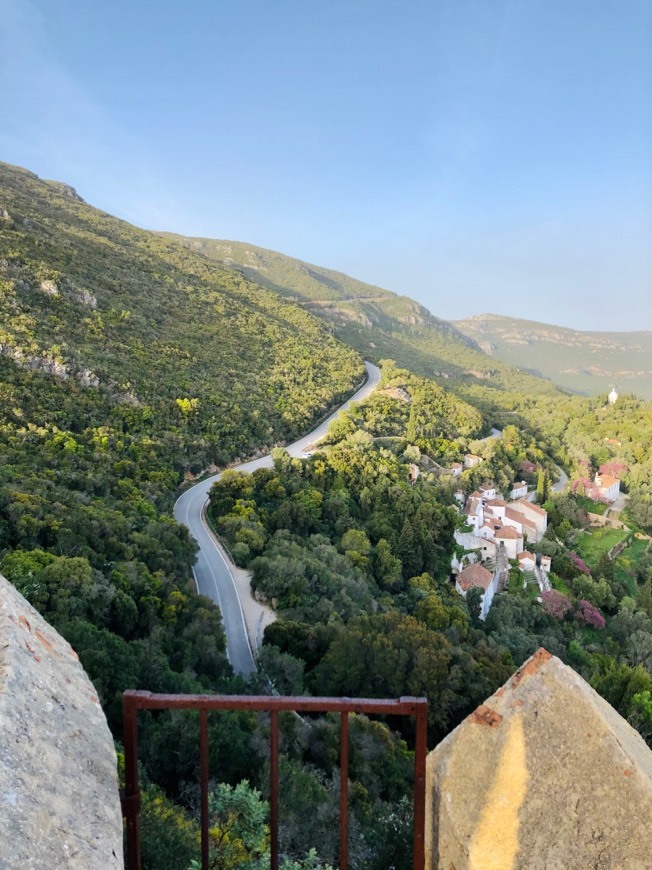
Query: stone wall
59	804
544	775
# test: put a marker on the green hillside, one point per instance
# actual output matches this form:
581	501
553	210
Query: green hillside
585	362
150	323
378	323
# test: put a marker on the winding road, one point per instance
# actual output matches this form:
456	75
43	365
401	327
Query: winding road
212	570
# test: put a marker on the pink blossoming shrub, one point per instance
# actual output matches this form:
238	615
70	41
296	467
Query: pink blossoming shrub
555	604
614	469
589	614
579	564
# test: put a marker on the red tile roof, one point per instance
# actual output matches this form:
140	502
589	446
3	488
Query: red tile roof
474	575
531	506
508	532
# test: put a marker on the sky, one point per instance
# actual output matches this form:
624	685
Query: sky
477	155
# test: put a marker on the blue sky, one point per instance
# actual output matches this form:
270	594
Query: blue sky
478	155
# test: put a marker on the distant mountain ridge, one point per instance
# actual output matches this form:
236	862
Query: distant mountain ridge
585	362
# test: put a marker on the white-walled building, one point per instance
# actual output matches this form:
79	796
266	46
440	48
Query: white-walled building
526	561
475	576
519	490
512	540
608	487
488	491
535	516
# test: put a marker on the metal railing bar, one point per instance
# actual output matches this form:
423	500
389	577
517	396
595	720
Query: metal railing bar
344	791
203	764
132	791
273	789
420	751
150	701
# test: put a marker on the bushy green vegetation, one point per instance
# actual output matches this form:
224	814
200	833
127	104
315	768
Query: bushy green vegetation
158	327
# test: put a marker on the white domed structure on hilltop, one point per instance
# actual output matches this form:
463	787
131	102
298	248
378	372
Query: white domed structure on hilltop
613	396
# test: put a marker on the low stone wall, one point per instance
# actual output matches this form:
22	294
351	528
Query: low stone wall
59	803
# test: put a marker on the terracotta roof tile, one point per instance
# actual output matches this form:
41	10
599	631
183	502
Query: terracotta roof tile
474	575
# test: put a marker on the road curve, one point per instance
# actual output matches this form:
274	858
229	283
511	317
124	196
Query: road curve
212	571
560	484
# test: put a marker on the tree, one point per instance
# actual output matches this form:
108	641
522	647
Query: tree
474	605
238	836
543	486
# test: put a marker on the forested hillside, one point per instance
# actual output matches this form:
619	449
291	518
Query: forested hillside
152	325
378	323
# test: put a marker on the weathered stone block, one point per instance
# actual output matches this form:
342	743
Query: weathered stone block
543	775
59	804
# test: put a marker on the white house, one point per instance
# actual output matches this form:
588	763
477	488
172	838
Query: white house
519	490
471	460
475	576
526	561
488	491
495	507
546	563
608	487
536	517
474	511
413	472
512	540
456	469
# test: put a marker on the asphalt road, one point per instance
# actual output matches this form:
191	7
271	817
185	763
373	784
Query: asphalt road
212	570
560	484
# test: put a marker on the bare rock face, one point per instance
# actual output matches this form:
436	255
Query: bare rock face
59	804
545	776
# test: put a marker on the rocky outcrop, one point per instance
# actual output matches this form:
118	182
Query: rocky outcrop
545	775
59	805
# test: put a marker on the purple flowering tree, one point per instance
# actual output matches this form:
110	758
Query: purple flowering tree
589	614
579	564
555	604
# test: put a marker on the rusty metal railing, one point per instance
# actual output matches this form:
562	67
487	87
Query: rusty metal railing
133	701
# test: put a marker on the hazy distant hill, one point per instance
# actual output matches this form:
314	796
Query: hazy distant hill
587	362
375	321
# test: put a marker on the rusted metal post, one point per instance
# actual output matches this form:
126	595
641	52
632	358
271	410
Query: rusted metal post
131	803
344	791
203	765
420	750
273	789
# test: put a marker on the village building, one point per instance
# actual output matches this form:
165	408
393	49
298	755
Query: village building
607	487
512	540
471	460
488	491
533	517
413	472
546	563
526	561
456	468
477	577
519	490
